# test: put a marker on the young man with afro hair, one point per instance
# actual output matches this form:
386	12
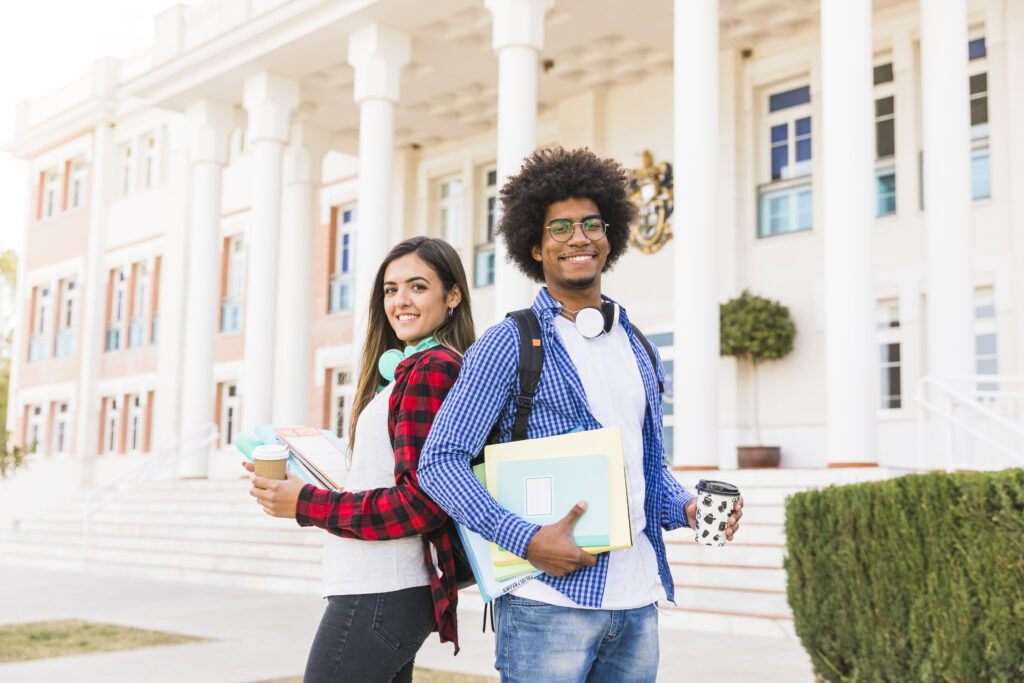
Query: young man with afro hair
566	220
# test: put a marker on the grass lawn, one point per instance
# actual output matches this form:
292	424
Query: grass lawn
44	639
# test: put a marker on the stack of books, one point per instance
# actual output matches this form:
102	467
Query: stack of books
316	455
540	480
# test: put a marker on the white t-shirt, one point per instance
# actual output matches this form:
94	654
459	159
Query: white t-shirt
351	565
616	399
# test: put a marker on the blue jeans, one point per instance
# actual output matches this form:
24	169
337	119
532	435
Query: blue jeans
370	637
536	641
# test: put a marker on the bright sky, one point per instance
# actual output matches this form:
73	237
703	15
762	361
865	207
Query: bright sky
46	43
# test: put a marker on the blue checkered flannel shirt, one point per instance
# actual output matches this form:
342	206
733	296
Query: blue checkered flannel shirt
484	397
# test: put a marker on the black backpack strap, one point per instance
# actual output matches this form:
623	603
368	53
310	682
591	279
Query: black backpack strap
531	361
650	352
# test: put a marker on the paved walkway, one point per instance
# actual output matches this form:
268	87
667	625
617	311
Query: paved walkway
256	635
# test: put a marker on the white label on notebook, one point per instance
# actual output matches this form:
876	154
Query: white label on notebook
538	496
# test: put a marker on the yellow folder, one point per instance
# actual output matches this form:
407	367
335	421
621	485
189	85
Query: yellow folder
607	441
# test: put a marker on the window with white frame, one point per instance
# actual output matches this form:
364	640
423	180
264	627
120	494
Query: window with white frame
342	393
483	260
977	69
65	343
140	304
890	361
118	302
149	161
449	211
61	443
35	428
986	342
51	194
40	326
785	203
885	140
136	417
111	424
77	184
234	294
341	285
125	169
228	413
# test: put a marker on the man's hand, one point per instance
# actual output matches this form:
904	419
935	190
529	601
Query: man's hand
278	497
553	550
734	518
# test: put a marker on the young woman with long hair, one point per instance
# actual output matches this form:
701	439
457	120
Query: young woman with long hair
389	566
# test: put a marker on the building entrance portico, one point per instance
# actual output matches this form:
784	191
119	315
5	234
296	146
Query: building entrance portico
302	138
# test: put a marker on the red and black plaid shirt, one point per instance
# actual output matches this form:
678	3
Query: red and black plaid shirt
421	383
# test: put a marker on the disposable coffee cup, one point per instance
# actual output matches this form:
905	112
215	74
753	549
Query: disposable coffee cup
270	462
716	500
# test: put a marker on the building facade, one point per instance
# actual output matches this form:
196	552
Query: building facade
204	219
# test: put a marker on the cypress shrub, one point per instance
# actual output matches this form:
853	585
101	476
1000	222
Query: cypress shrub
919	578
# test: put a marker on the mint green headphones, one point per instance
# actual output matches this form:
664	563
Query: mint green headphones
390	359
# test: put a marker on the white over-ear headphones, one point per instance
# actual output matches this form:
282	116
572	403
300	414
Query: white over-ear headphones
592	321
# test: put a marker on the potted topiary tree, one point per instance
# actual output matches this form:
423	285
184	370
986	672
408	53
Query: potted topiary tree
756	329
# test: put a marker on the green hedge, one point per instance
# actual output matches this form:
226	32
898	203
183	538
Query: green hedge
919	578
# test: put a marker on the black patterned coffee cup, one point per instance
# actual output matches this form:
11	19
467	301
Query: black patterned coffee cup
716	500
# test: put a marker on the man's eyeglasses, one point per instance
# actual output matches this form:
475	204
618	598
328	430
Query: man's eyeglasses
562	229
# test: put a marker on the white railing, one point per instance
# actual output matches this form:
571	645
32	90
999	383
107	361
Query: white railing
171	453
973	422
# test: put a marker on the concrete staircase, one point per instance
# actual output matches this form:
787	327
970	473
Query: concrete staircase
741	588
211	531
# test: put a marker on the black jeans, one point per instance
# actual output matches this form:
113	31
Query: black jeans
370	637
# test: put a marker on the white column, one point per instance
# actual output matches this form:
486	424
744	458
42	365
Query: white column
209	125
518	37
302	165
377	54
695	249
94	292
947	186
269	101
847	183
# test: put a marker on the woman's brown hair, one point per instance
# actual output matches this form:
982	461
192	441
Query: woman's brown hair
456	332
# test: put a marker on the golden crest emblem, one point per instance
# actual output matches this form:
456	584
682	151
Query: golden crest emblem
650	188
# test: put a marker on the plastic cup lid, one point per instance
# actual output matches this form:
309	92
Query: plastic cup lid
269	452
720	487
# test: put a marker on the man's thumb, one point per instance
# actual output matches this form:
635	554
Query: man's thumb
575	513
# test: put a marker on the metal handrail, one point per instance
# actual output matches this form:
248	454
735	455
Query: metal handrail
173	451
966	400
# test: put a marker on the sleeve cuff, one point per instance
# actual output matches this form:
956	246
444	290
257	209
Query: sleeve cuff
677	506
310	500
514	534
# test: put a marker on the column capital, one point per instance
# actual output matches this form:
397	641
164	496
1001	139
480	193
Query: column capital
269	99
518	22
377	53
304	154
209	126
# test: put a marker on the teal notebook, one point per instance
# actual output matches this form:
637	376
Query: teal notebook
543	490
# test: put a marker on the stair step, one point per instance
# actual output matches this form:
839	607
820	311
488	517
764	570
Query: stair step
757	602
730	576
284	584
712	621
287	533
206	546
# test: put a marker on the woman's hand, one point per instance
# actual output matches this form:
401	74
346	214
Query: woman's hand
278	497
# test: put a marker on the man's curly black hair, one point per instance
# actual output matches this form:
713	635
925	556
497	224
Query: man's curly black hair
553	175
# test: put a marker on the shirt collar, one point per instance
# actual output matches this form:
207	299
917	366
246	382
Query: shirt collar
546	308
